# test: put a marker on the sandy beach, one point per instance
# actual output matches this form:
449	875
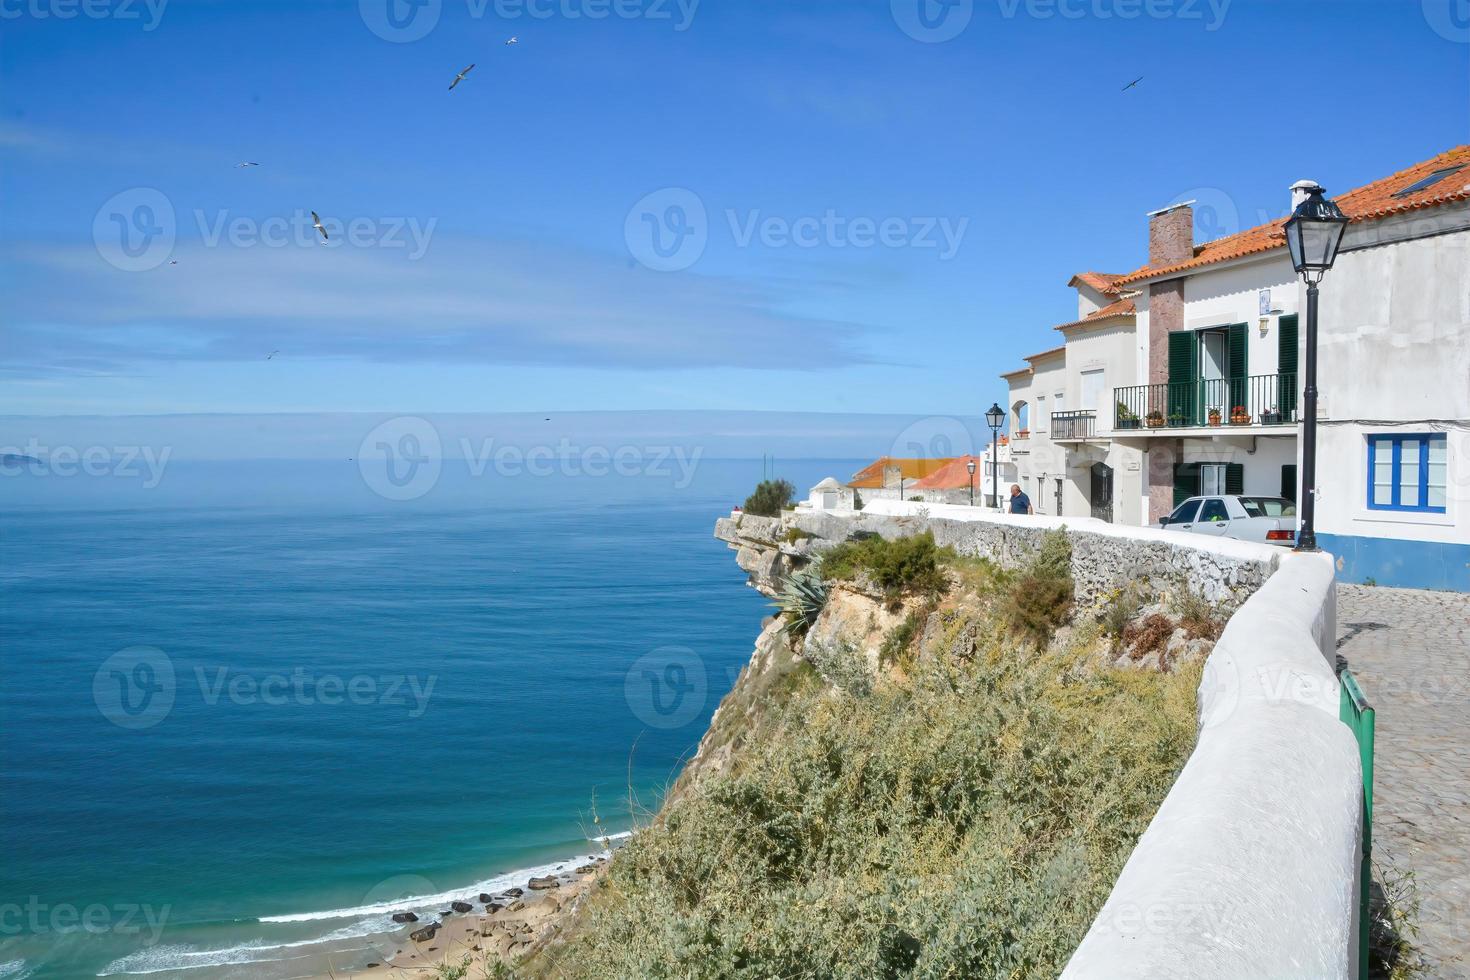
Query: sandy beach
499	928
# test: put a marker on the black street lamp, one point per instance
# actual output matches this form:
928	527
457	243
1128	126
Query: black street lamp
995	416
970	465
1313	235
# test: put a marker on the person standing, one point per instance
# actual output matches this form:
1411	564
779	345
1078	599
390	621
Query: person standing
1020	503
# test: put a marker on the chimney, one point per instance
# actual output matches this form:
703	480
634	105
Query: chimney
1171	234
1302	190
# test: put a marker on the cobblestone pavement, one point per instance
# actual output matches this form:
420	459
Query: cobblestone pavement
1410	651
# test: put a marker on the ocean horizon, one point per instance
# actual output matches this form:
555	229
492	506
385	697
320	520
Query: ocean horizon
254	709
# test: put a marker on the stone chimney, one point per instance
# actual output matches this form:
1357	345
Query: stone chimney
1302	190
1171	234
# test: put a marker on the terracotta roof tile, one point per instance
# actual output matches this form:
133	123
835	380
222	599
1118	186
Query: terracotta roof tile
1046	353
871	476
1103	282
1114	310
1371	201
954	475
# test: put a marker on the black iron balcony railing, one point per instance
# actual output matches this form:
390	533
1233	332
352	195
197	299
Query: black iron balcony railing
1262	399
1073	425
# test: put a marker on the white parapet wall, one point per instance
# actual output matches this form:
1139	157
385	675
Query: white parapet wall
1251	866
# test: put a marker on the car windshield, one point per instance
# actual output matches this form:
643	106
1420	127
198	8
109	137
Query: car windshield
1268	506
1184	513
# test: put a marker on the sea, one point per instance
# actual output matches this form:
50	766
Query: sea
252	708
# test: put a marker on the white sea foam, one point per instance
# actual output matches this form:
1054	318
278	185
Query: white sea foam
373	919
14	970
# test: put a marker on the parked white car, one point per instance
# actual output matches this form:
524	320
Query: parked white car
1269	520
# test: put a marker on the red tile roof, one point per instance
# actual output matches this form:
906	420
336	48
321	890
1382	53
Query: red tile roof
1116	310
871	476
1375	200
954	475
1103	282
1046	353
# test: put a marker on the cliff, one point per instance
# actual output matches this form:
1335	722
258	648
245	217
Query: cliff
909	779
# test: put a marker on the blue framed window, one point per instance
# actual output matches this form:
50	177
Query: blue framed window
1407	472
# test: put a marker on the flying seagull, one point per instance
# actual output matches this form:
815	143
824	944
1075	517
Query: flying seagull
513	40
247	163
460	77
1133	83
271	354
316	222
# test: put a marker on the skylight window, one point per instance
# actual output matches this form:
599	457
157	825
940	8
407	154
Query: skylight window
1429	181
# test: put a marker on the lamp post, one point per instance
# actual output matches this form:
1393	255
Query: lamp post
1313	235
994	417
970	465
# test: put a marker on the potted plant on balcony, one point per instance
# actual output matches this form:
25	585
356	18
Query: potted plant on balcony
1214	414
1154	419
1176	419
1272	417
1239	416
1127	418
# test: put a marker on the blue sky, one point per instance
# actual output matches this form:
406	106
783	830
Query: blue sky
490	250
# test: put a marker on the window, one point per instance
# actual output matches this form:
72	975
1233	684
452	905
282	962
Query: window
1212	478
1093	383
1429	181
1041	420
1023	416
1184	513
1268	506
1407	472
1214	510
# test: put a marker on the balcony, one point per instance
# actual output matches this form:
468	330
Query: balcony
1073	425
1259	400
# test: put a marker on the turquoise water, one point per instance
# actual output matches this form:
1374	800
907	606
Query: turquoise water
372	705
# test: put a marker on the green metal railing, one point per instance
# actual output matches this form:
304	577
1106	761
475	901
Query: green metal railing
1355	711
1262	399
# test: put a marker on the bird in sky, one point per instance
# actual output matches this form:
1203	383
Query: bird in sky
247	163
512	40
460	77
1133	83
316	222
271	354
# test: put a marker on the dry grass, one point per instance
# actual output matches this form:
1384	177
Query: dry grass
966	820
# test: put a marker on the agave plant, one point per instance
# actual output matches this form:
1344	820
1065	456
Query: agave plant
802	598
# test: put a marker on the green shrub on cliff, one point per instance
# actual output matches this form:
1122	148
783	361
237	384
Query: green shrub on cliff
803	597
965	820
769	497
1041	599
902	565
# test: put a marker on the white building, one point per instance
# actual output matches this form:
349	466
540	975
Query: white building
1182	378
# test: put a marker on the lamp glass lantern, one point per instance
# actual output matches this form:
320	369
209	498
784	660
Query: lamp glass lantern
1314	234
995	415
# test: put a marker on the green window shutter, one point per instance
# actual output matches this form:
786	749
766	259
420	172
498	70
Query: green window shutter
1286	366
1239	370
1183	375
1235	478
1186	482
